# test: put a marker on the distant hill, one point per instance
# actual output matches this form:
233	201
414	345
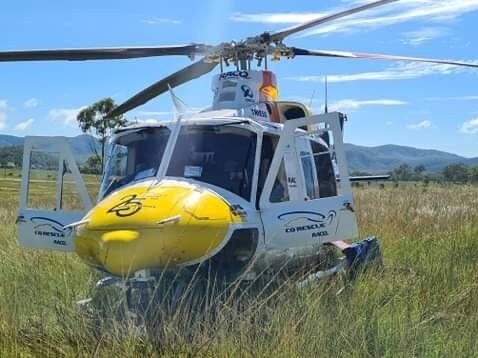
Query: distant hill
379	159
386	157
8	140
82	146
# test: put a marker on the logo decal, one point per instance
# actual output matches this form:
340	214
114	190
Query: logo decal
47	227
292	182
242	74
238	210
248	94
308	215
258	113
314	221
128	206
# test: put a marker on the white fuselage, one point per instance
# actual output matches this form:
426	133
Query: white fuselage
281	189
292	228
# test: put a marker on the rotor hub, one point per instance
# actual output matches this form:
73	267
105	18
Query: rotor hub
242	53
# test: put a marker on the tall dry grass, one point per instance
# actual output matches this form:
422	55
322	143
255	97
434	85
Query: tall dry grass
425	303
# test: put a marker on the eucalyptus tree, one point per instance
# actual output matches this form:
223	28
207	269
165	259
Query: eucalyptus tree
93	120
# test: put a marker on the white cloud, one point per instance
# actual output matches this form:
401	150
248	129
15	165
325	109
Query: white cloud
421	125
459	98
417	38
161	20
400	71
65	115
3	104
3	120
352	104
466	98
24	125
276	18
31	103
470	127
394	13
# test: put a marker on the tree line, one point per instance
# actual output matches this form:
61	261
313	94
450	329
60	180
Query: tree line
458	173
12	157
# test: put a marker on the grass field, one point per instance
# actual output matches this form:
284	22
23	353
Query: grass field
425	303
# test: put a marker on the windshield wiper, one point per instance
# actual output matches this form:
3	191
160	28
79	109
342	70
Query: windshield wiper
114	184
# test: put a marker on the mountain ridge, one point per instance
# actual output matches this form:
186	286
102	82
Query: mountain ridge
389	156
375	159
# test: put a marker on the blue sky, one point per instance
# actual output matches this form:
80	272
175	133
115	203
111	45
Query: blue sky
419	105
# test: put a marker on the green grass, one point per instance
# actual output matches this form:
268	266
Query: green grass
425	303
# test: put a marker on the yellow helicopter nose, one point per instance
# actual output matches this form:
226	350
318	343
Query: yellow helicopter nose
140	227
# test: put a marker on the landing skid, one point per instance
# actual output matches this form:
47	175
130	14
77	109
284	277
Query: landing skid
148	300
358	257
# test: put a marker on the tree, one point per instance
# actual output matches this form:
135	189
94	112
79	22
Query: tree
11	154
473	175
402	173
93	165
419	169
456	173
91	120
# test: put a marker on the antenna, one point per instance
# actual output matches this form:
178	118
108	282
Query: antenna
325	135
326	95
312	98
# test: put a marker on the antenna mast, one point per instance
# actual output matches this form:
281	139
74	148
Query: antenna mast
326	96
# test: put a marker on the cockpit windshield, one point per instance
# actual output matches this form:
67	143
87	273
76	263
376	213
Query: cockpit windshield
133	156
219	155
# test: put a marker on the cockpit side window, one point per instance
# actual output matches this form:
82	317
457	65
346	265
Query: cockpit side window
269	143
325	170
219	155
280	189
308	169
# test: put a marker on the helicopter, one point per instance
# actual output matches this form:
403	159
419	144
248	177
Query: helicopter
250	185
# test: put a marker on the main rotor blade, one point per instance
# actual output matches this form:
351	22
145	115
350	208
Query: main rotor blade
107	53
280	35
184	75
374	56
